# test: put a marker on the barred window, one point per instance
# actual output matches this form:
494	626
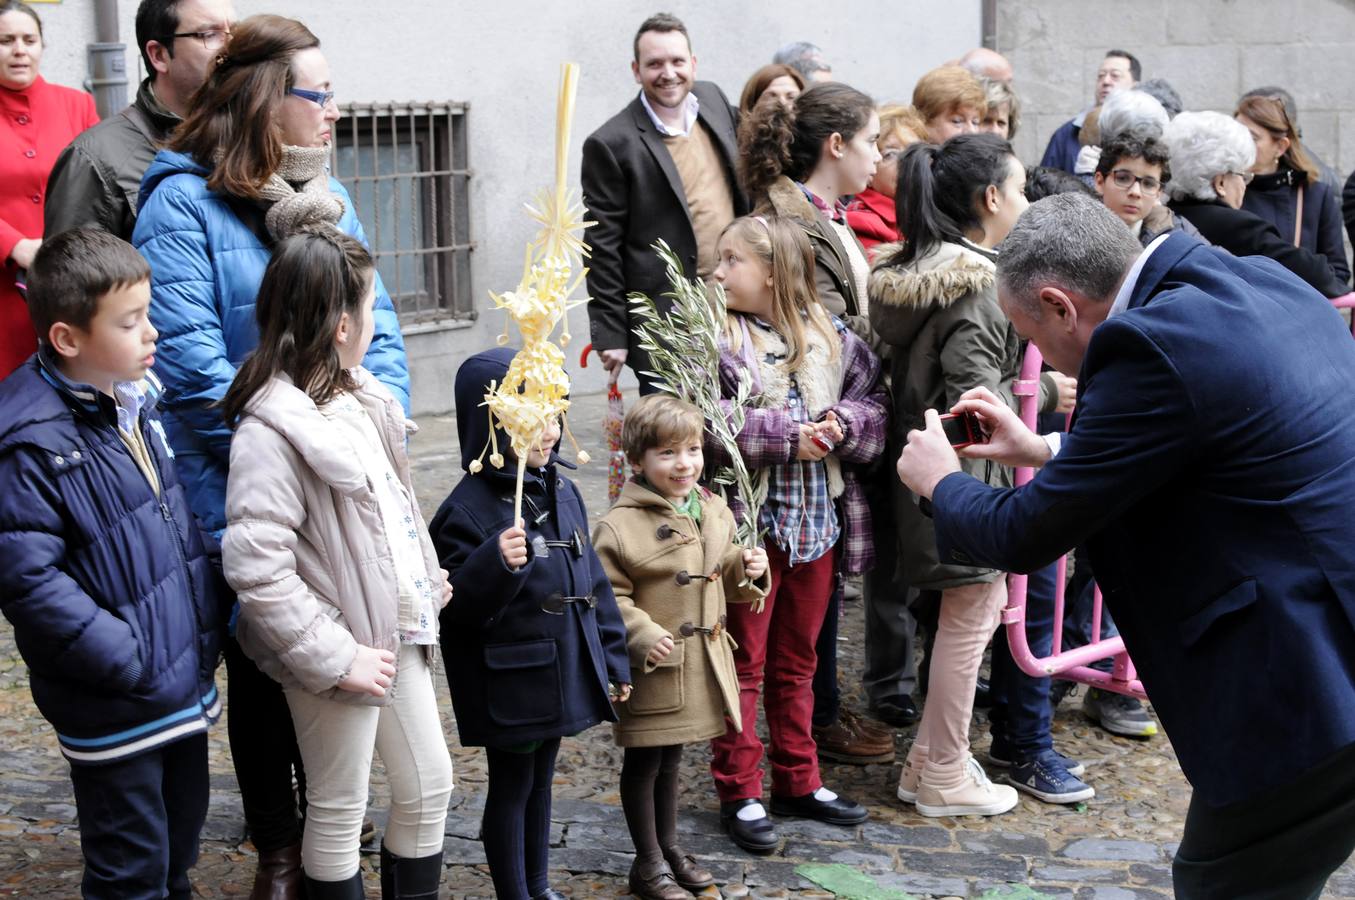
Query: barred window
406	167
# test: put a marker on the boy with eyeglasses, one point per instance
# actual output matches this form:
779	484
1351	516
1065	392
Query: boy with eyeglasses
1130	177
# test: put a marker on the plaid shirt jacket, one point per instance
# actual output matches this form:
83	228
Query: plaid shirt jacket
772	437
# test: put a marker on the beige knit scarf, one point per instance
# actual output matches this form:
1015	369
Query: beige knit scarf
313	203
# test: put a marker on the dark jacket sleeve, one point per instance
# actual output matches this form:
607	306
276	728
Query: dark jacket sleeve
605	197
61	631
1329	241
1132	433
79	196
482	583
1348	206
1254	236
611	627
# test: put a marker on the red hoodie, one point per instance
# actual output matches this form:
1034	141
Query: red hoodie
871	216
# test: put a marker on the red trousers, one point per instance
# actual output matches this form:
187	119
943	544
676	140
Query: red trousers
777	643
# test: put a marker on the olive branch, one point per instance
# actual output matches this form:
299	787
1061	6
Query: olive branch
684	350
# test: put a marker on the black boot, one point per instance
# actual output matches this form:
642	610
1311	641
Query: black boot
348	889
410	879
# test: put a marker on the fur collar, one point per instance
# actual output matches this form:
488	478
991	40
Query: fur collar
786	198
940	278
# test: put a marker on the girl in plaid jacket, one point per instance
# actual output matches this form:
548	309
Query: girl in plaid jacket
817	411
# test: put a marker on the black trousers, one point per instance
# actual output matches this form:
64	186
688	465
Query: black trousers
264	752
140	819
1280	845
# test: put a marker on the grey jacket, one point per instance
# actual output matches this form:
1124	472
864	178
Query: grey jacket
95	181
305	548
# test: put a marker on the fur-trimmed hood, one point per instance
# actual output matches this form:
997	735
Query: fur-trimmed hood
903	297
785	197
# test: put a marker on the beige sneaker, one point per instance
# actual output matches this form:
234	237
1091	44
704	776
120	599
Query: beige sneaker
912	773
961	790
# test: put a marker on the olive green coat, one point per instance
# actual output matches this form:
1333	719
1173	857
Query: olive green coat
940	316
644	543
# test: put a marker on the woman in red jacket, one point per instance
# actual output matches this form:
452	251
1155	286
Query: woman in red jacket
871	214
37	121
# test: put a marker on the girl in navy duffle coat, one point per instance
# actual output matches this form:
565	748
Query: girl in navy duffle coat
533	653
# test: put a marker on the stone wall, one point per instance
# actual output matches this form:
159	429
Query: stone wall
1210	50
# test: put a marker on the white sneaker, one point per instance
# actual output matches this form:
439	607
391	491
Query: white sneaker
909	777
972	794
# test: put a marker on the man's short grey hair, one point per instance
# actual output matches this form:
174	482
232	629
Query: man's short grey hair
1203	145
1161	90
1131	110
1069	241
803	57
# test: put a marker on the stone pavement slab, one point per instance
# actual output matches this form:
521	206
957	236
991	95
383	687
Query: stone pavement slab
1116	847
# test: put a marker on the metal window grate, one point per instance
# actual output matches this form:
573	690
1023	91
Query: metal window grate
407	169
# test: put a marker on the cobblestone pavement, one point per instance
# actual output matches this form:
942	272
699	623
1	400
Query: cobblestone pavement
1119	845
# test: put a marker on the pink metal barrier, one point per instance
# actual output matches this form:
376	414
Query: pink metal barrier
1073	665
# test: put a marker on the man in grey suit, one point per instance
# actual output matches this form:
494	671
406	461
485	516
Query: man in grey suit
663	167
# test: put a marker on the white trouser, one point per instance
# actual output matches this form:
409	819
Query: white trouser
337	740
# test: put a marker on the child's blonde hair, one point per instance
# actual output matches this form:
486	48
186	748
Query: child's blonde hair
784	249
658	420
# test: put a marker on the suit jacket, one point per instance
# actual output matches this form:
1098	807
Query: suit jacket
1063	147
1211	471
632	191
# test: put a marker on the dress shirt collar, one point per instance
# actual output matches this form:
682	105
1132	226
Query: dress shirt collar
690	108
1131	279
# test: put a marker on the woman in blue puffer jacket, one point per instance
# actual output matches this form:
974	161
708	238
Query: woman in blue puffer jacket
248	166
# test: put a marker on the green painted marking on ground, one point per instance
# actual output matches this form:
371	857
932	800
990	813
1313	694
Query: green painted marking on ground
1014	892
847	883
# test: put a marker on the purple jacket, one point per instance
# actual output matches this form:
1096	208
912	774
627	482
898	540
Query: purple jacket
771	437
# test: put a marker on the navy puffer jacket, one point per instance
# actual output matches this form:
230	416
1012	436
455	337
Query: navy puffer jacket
519	674
109	587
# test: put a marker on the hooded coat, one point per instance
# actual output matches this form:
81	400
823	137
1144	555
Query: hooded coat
518	673
305	546
940	315
644	543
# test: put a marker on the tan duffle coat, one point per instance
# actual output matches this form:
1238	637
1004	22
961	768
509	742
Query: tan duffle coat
645	546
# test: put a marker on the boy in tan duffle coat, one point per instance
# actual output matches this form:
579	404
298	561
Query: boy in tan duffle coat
669	549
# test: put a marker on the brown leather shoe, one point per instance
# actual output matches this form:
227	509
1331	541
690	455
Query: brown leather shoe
687	872
654	881
278	876
845	741
865	724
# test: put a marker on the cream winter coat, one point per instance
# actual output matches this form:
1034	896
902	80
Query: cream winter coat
305	548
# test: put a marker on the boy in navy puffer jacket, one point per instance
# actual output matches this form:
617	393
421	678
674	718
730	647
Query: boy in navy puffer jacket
103	572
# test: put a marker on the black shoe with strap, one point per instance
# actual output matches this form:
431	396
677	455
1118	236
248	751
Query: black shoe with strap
838	811
754	835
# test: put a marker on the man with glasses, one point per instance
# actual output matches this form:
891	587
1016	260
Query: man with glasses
1119	71
96	179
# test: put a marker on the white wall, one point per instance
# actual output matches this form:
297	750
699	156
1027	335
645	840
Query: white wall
503	58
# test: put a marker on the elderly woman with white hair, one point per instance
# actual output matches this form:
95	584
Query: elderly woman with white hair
1122	112
1211	158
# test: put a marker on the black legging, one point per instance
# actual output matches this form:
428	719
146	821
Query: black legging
264	751
649	791
516	825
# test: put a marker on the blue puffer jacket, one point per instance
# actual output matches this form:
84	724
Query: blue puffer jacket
519	674
114	602
206	265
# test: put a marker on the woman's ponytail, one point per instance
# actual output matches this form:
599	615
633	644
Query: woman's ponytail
941	187
765	137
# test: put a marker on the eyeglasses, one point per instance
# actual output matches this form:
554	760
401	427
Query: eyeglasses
1124	178
319	98
211	40
1245	176
555	604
